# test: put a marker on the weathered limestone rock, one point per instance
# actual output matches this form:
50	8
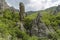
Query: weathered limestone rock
56	10
3	5
21	13
51	29
39	28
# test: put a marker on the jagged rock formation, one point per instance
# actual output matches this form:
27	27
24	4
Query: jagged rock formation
21	13
38	27
56	10
3	5
12	8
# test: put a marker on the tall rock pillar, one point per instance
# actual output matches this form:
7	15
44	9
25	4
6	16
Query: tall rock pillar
21	14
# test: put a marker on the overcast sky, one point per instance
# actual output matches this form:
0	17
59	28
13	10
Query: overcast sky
34	5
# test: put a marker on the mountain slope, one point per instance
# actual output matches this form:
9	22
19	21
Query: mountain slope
39	25
51	10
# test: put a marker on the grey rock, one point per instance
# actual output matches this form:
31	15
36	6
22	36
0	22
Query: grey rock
38	27
56	10
3	5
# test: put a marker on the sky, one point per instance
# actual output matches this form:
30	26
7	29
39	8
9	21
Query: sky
34	5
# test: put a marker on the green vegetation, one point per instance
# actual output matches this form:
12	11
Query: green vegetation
10	29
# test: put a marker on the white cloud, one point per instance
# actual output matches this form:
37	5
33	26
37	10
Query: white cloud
42	4
33	5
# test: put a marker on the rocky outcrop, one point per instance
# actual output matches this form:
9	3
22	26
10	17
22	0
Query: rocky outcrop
38	27
3	5
22	11
57	9
21	14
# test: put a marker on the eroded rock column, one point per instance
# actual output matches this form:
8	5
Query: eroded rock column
21	14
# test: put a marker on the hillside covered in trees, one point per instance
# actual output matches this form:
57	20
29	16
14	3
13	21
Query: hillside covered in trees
38	25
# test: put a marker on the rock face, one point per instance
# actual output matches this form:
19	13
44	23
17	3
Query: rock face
22	11
21	14
3	5
57	9
38	27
